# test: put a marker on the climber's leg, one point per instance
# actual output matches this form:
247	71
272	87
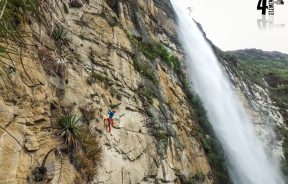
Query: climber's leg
109	124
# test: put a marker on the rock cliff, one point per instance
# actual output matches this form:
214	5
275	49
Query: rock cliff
63	59
85	58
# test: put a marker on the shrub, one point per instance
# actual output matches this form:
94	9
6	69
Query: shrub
83	165
84	149
59	35
154	50
87	158
91	147
47	61
95	77
70	130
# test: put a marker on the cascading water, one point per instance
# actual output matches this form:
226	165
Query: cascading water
248	162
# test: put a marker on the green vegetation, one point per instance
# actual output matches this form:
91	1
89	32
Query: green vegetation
162	136
59	35
269	70
13	14
97	77
211	145
15	17
284	163
206	135
100	77
197	178
70	130
87	157
83	148
145	70
156	50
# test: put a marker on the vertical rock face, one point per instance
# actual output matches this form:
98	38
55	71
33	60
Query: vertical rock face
154	139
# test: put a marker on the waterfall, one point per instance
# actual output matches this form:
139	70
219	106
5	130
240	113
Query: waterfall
248	162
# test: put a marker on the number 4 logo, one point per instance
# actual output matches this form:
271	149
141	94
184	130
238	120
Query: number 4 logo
262	5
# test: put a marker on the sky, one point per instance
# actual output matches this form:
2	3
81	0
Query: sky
232	24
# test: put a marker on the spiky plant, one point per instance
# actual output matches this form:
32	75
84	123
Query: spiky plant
70	130
59	35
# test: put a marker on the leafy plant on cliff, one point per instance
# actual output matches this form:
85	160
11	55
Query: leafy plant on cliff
70	130
83	147
155	50
59	35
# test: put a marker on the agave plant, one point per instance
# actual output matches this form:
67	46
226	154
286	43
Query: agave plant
70	130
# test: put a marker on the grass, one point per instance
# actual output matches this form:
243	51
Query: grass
97	77
59	35
87	158
15	13
156	50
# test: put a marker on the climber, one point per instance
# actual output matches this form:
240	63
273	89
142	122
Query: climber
110	119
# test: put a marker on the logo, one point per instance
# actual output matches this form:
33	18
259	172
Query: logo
263	23
262	5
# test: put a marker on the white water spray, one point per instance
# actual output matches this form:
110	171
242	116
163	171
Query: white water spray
248	162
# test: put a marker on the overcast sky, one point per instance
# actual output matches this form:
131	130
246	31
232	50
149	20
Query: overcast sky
232	24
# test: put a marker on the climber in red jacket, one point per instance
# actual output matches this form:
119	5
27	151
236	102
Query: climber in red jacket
110	119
